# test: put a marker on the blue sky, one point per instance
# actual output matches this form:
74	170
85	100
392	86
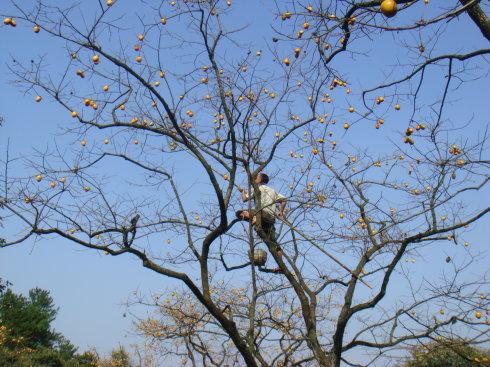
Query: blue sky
89	287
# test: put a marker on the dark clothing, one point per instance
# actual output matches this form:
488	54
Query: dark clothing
267	222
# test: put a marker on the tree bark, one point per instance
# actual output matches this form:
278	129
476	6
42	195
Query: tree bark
479	17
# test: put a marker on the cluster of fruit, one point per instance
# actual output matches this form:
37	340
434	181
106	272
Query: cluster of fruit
13	23
52	184
10	21
408	139
410	131
90	103
338	82
387	7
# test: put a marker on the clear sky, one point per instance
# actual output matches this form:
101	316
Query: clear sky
89	287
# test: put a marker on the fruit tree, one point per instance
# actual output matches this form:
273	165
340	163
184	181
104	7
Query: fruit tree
367	116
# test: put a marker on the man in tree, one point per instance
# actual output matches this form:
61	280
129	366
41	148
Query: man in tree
355	225
267	206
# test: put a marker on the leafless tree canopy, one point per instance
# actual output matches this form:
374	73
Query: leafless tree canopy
168	113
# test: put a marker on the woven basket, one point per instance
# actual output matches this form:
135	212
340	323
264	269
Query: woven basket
258	257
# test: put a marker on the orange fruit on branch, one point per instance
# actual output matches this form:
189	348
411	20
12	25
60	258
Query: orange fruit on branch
10	21
388	8
408	140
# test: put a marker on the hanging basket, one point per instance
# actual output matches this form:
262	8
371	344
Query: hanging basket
258	257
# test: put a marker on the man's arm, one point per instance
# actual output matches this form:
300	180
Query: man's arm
244	192
282	207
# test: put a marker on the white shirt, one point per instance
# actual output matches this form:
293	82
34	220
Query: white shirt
268	197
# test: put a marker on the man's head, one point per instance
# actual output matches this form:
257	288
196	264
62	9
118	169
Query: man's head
262	179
